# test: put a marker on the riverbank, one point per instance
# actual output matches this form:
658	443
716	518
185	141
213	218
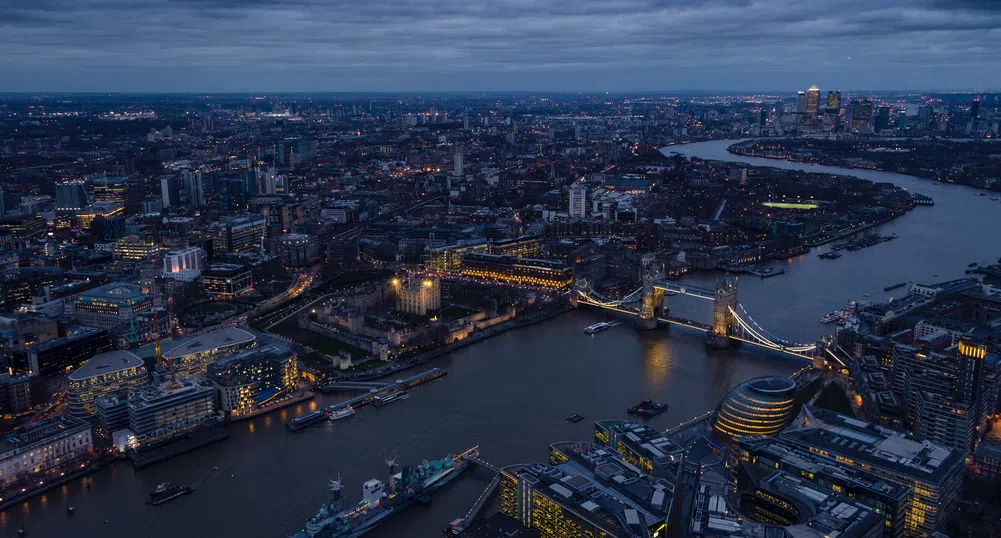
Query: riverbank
397	366
30	493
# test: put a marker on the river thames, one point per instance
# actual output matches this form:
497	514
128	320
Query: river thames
510	394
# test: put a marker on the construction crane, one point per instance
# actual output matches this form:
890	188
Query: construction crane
173	384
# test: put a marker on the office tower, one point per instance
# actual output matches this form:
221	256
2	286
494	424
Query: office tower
975	108
882	119
812	101
834	102
801	102
168	191
949	396
577	131
762	117
933	471
194	188
925	114
863	113
111	189
71	195
457	161
849	123
578	201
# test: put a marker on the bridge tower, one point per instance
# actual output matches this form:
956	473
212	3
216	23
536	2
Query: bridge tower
723	323
653	297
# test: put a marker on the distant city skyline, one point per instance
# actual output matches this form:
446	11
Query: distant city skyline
504	45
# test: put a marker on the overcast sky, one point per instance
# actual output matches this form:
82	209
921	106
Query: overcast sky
443	45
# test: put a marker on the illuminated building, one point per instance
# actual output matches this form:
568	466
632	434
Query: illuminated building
297	250
780	505
171	410
801	102
104	210
760	406
933	471
523	271
42	445
111	305
24	226
417	296
133	248
251	379
111	189
184	264
759	456
812	101
71	196
949	395
67	352
526	246
114	372
642	446
834	102
224	280
238	235
586	492
191	356
448	258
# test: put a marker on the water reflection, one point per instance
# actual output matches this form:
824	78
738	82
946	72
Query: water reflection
656	363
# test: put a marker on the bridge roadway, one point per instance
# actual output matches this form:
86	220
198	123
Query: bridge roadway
698	326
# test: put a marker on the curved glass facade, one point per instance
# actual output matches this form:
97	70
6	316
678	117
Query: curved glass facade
759	406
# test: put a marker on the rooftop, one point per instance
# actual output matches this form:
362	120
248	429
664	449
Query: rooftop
878	446
42	429
106	363
72	335
217	339
116	291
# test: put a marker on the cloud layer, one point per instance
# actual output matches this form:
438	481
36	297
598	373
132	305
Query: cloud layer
568	45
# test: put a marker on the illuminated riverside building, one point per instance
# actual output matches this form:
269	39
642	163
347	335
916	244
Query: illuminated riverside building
111	373
417	296
521	271
191	356
642	446
172	409
111	305
134	248
586	492
760	406
932	471
226	280
834	101
249	380
42	445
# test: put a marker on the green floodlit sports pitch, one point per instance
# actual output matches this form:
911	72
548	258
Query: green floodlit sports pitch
790	205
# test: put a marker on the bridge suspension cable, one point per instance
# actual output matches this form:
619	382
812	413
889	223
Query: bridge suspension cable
765	336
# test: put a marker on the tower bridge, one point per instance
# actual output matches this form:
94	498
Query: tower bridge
730	320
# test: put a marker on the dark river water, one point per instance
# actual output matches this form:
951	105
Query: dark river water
510	394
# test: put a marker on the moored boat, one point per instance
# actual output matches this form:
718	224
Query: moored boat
166	492
386	399
342	413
